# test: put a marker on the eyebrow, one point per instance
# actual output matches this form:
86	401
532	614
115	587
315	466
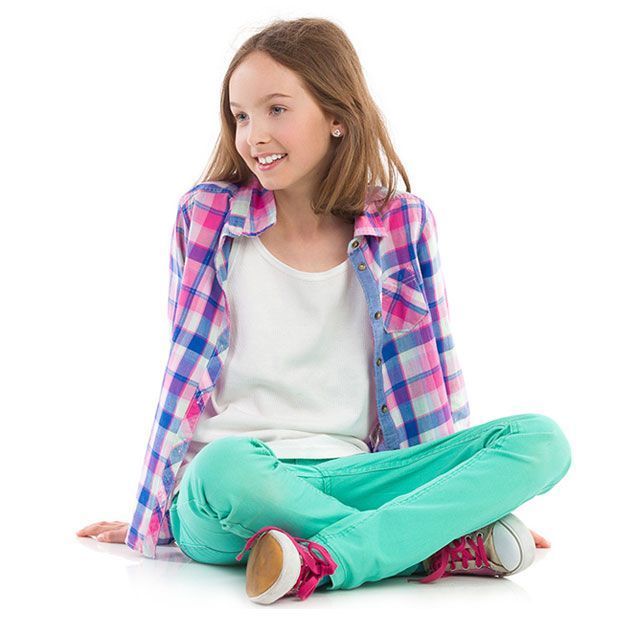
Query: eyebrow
266	98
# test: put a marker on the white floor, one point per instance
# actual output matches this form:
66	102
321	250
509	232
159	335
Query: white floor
585	579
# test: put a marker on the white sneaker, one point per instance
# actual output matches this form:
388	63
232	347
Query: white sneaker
502	548
282	565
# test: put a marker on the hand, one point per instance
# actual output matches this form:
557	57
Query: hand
539	540
109	531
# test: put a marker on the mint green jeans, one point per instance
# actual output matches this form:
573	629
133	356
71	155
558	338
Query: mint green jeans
378	514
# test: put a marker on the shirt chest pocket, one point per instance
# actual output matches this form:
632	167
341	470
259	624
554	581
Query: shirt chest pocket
403	301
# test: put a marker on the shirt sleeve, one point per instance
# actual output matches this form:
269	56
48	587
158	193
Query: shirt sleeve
139	528
177	259
436	295
176	262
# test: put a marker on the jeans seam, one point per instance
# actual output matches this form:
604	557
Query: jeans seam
325	483
396	463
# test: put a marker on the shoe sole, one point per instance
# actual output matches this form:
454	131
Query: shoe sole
509	533
273	568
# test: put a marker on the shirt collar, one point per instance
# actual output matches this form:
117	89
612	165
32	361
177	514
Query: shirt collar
253	209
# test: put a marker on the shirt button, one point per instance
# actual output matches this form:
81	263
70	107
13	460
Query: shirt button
355	243
379	362
384	409
378	315
361	267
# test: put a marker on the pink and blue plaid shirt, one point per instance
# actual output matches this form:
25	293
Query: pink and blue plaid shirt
420	388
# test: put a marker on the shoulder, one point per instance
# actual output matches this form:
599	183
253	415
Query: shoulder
406	211
211	196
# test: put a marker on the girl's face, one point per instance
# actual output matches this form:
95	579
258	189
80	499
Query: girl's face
290	123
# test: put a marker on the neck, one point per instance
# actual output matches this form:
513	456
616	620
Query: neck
296	218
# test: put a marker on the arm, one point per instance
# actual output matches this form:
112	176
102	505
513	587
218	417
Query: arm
176	264
143	514
177	259
436	295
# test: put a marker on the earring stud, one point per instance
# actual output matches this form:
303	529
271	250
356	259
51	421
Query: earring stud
337	132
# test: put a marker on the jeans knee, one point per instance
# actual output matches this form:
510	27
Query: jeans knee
559	449
551	444
229	462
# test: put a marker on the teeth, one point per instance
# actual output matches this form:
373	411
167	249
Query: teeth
270	158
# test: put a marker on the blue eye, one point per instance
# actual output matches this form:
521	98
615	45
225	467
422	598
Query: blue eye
236	117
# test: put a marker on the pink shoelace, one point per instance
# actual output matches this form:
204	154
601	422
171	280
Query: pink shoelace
463	549
313	568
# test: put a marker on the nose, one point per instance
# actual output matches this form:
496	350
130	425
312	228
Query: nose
257	135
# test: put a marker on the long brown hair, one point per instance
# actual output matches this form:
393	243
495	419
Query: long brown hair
324	58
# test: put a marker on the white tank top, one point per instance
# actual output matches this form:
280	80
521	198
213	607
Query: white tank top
297	374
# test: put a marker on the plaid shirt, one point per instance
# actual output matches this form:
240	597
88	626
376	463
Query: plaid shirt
420	389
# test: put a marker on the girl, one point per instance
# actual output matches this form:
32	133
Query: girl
313	423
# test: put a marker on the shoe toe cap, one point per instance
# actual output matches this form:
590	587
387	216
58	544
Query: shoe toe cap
513	544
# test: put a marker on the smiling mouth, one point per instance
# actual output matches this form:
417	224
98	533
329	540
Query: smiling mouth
268	166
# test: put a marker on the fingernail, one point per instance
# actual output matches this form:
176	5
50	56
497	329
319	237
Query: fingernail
100	537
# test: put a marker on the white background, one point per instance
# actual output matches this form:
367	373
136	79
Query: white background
519	124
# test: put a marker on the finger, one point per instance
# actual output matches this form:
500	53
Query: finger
541	540
91	529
